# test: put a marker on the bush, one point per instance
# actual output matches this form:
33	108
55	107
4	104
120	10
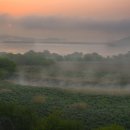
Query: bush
7	68
79	106
13	117
55	122
112	127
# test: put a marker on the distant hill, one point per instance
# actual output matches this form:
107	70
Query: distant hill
125	42
20	39
15	39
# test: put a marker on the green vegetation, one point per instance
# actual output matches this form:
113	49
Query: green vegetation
14	117
30	58
52	108
55	122
7	68
92	110
37	58
112	127
76	68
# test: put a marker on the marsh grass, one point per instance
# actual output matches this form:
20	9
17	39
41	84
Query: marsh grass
79	106
100	90
39	99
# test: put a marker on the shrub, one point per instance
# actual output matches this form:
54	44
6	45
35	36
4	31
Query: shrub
39	99
13	117
79	106
7	68
55	122
112	127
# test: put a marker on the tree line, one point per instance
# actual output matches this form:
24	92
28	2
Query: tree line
46	58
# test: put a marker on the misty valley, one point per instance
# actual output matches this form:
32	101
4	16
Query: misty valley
64	64
64	92
72	70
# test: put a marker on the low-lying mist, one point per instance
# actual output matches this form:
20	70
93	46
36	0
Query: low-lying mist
82	72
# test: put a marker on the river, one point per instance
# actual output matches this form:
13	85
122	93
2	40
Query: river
62	49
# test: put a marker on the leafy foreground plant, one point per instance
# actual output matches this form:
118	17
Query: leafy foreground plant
112	127
14	117
55	122
7	68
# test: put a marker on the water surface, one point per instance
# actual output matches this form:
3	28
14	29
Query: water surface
63	49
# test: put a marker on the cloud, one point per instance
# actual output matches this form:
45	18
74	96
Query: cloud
66	25
57	23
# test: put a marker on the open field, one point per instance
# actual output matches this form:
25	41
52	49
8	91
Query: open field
93	109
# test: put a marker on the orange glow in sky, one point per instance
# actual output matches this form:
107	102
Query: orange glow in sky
70	20
94	8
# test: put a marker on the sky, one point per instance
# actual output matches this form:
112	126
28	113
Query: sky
67	20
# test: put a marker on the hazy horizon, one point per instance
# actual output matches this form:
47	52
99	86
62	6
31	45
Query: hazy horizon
95	21
75	20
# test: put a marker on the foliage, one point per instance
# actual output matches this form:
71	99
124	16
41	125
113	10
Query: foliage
7	67
76	56
55	122
30	58
77	68
93	57
13	117
102	109
92	68
112	127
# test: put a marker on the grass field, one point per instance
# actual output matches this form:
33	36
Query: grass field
94	109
